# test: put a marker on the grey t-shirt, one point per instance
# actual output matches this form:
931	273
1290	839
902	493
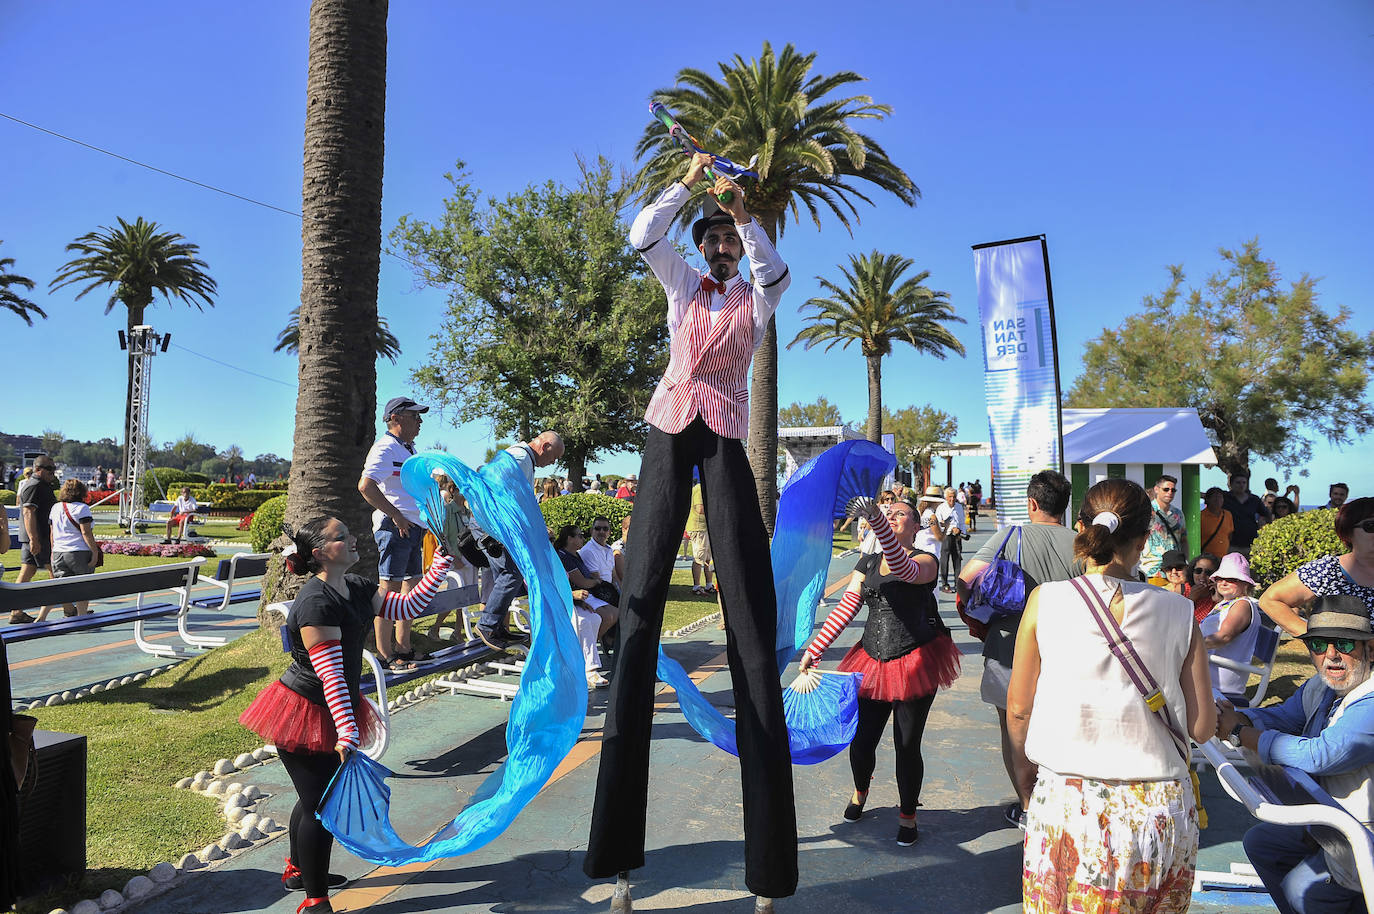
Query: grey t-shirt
1046	555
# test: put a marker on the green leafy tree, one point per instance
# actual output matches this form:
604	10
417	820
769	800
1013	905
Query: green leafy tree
233	459
139	262
553	321
384	341
1265	367
52	441
11	300
875	307
812	156
186	453
918	431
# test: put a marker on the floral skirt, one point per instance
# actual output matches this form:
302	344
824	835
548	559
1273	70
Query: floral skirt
1122	847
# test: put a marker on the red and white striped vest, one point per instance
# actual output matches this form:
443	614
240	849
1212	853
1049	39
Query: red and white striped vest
708	367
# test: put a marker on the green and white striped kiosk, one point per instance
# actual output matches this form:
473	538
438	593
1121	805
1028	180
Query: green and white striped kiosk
1141	445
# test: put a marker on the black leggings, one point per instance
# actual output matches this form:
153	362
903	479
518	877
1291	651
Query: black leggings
908	723
311	842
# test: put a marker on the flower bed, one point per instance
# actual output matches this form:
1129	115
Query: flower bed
172	551
247	521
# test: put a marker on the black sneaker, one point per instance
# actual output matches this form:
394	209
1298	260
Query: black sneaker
501	640
854	811
19	617
906	834
294	882
1015	815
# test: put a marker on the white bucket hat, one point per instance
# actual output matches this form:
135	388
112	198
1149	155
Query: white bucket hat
1235	567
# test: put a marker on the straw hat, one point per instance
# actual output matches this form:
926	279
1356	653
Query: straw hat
934	495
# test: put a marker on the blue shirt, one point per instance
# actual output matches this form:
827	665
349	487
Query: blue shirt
1292	738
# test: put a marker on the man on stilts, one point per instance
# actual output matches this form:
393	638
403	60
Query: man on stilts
698	417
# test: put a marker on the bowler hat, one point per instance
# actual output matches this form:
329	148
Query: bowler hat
1339	616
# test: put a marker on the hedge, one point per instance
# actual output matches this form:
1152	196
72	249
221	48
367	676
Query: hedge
1292	541
7	496
171	480
266	524
234	498
582	508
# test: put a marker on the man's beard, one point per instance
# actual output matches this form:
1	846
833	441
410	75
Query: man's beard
723	269
1358	672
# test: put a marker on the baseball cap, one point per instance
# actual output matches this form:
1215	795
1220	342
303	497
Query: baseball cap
402	404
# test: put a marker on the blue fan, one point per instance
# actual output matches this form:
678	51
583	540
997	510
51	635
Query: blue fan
807	507
822	710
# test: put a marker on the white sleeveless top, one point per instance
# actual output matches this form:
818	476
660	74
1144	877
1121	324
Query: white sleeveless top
1241	648
1089	719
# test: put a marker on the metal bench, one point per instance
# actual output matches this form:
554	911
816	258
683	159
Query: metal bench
1298	800
1266	647
133	582
168	508
231	570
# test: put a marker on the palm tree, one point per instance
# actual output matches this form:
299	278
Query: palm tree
11	300
384	341
876	308
138	261
810	155
341	242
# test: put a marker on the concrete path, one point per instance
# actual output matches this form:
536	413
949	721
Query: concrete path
967	859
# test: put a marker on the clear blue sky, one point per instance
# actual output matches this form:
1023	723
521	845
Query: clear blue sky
1132	135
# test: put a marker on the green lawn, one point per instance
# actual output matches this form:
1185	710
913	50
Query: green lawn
214	530
141	739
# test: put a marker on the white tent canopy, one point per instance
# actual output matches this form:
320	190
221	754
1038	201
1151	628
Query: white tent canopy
1169	435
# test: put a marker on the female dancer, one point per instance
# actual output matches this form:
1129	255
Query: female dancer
314	714
905	656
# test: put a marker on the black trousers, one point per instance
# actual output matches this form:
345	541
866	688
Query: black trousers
739	543
952	557
908	724
311	842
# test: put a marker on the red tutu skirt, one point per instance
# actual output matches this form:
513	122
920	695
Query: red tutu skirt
290	721
932	666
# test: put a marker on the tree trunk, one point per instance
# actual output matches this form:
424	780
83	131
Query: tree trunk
576	462
341	238
762	446
875	399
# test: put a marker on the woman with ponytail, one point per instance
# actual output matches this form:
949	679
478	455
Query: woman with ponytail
1112	823
906	654
315	714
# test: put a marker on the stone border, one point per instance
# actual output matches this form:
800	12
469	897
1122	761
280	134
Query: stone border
69	695
694	627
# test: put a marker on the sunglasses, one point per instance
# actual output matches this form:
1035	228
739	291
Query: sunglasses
1319	645
1207	572
1366	525
597	529
1169	489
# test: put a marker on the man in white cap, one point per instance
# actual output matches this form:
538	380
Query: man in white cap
1326	729
395	522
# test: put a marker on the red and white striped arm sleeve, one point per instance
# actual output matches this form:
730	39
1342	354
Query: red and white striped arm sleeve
839	617
327	659
395	606
900	564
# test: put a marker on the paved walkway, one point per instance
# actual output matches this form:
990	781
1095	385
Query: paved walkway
967	859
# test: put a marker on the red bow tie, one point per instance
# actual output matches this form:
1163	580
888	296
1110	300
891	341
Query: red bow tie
712	285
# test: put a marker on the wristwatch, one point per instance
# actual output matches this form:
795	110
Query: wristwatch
1234	735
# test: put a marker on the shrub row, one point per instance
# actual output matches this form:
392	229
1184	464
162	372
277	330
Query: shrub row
266	525
7	496
1291	541
582	508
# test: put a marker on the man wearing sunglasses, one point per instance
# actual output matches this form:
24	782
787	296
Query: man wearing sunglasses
1326	729
1167	531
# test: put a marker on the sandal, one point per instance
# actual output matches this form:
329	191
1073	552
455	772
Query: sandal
413	656
398	664
698	590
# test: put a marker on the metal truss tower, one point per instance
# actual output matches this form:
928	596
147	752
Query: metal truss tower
142	345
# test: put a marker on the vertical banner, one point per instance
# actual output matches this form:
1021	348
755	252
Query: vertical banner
1021	365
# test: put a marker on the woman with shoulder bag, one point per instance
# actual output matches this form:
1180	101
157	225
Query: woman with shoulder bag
906	654
1112	823
74	549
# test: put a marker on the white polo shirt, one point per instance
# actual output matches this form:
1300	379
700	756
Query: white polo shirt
383	466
